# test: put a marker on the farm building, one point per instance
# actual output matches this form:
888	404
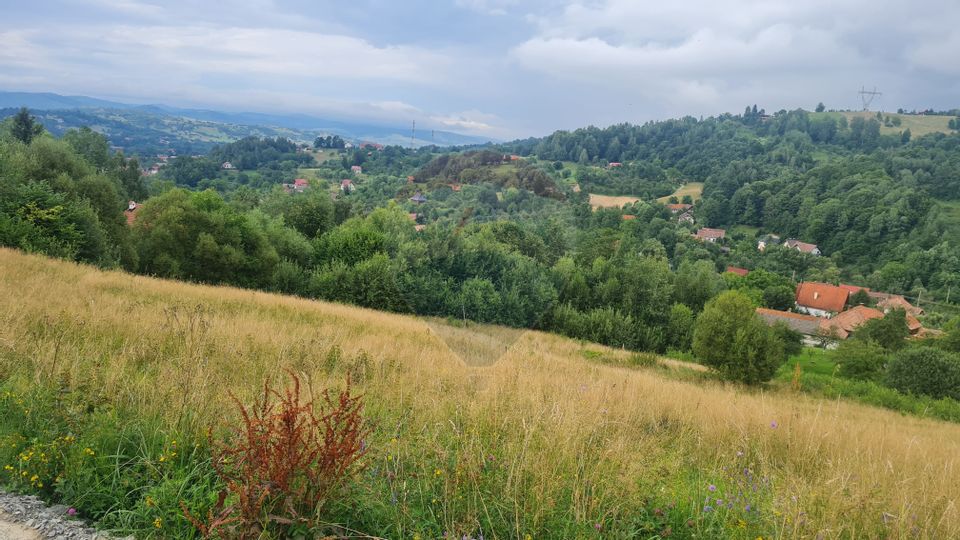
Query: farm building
889	302
807	325
820	299
737	270
346	185
677	208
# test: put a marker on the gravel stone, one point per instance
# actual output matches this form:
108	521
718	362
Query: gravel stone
50	522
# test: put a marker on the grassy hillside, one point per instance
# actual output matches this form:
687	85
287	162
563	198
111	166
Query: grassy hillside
694	189
917	124
555	440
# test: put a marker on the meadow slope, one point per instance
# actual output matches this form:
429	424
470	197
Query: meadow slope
545	443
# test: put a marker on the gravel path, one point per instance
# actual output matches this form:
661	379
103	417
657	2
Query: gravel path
24	517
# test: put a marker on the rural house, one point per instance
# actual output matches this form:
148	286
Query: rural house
767	240
686	217
418	198
802	247
614	164
131	212
346	186
706	234
845	323
737	270
820	299
226	165
889	302
356	169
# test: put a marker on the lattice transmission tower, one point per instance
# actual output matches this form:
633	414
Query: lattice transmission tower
867	96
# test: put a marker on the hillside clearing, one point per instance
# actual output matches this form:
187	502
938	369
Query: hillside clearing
918	124
693	189
575	443
610	201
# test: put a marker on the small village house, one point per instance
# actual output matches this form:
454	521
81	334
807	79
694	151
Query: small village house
706	234
820	299
356	169
226	165
802	247
346	185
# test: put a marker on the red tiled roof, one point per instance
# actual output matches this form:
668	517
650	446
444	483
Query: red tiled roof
854	318
803	247
821	296
805	324
679	207
706	232
628	217
853	289
737	270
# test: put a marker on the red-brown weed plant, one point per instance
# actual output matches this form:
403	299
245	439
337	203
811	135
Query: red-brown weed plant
284	463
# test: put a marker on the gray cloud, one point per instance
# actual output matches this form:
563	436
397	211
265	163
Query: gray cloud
496	67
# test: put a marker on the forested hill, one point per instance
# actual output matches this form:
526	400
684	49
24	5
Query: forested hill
516	234
865	192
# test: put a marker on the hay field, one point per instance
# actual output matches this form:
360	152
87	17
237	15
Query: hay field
543	442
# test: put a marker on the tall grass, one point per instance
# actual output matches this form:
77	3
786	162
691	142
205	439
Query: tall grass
543	443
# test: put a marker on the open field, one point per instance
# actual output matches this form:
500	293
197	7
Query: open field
610	201
554	440
694	189
918	124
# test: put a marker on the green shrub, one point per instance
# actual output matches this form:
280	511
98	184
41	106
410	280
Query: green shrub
732	339
864	360
926	371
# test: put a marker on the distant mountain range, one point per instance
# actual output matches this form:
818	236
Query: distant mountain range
151	129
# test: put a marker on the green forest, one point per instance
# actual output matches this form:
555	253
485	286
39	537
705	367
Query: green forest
505	234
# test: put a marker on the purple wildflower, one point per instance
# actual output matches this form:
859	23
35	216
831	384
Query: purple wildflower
712	487
773	425
708	508
71	511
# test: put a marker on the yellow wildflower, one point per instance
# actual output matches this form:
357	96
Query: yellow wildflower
437	472
157	523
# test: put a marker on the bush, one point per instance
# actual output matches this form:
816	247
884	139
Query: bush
863	360
730	338
927	371
791	339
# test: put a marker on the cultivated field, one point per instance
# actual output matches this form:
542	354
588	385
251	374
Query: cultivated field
693	189
555	440
610	201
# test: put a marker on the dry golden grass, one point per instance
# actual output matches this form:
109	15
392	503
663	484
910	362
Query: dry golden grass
610	201
609	435
693	189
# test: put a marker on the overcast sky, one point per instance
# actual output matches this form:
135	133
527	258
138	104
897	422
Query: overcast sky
503	68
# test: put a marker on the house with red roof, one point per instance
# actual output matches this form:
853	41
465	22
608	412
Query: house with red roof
131	212
820	299
706	234
677	208
853	289
802	247
628	217
737	270
807	325
614	164
346	185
